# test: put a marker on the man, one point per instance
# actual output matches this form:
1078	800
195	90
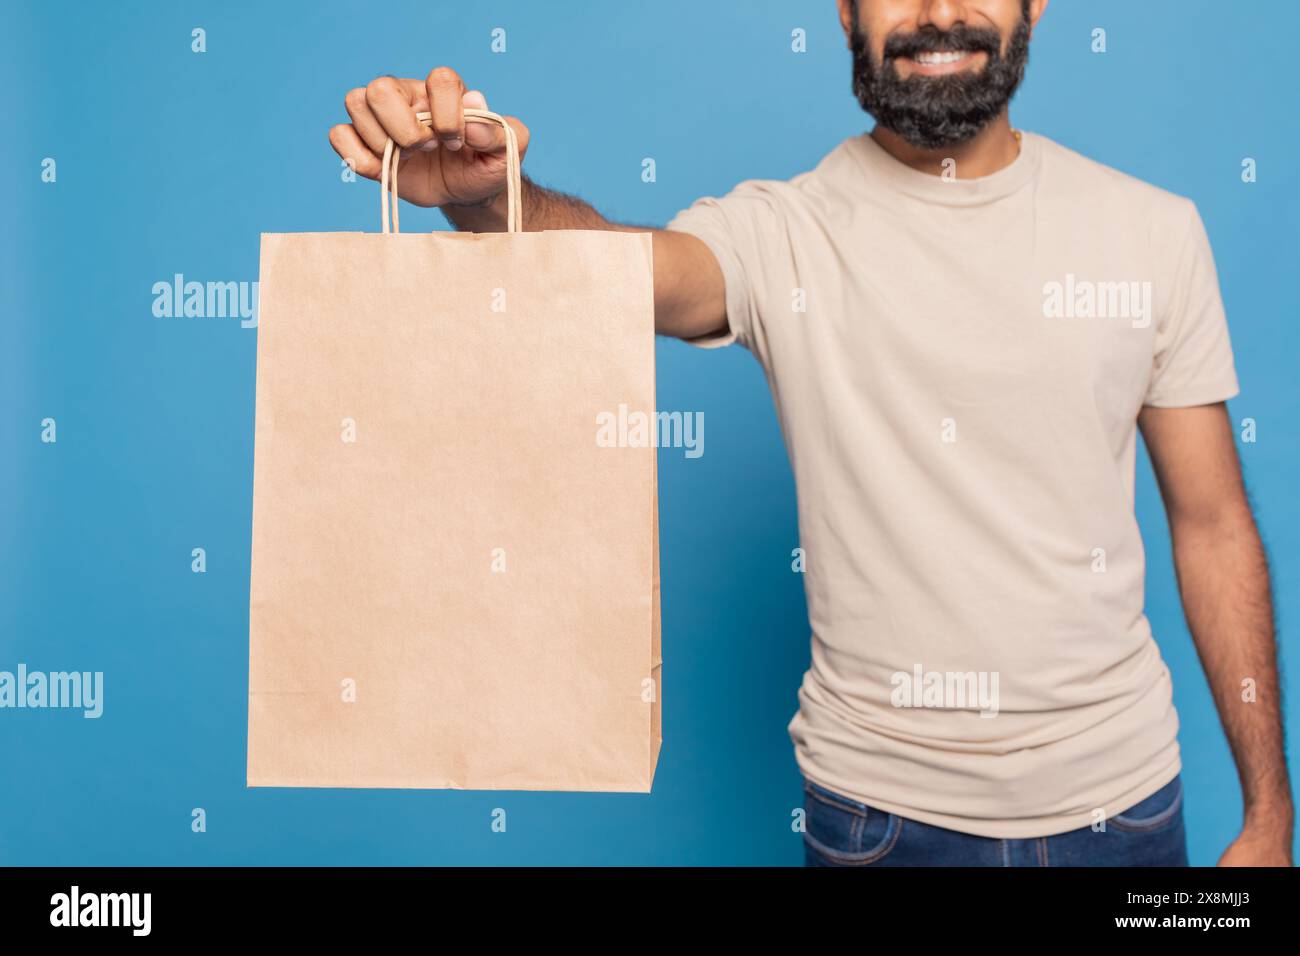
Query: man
964	327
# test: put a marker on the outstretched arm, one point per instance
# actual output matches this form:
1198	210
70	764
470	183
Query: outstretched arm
461	168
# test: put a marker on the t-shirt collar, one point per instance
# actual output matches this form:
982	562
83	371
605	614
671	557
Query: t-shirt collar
951	192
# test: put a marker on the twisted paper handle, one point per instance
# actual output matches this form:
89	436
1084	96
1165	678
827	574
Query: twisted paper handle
514	209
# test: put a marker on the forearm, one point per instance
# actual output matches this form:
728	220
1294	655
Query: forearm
689	290
1223	576
543	209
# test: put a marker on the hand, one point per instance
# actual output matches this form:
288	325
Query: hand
1259	847
454	163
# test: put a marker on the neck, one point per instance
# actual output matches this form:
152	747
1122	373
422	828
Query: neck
991	149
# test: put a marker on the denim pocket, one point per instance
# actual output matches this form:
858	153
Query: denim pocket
845	832
1160	808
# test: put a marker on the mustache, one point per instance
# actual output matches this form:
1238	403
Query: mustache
960	39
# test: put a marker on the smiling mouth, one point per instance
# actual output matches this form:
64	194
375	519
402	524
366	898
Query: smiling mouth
942	61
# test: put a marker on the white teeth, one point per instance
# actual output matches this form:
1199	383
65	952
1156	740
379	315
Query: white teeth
946	57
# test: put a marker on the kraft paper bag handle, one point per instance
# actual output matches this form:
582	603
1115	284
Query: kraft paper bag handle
514	208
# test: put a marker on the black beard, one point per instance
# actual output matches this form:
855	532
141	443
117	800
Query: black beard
932	112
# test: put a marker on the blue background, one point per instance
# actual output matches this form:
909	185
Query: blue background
171	161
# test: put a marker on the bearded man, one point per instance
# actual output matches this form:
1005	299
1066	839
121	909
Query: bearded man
985	688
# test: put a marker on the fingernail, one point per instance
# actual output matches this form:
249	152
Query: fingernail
453	143
429	147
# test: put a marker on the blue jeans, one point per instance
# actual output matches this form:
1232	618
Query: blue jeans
842	832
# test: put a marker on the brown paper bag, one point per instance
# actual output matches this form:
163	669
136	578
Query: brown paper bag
453	583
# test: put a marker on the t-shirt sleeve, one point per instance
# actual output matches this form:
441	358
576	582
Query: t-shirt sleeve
737	228
1193	362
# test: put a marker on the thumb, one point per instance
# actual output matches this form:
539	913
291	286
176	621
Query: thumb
479	136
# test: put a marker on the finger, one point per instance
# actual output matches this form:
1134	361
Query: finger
483	137
445	90
365	123
418	94
394	107
490	137
348	144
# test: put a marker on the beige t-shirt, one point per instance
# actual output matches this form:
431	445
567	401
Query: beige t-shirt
958	366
